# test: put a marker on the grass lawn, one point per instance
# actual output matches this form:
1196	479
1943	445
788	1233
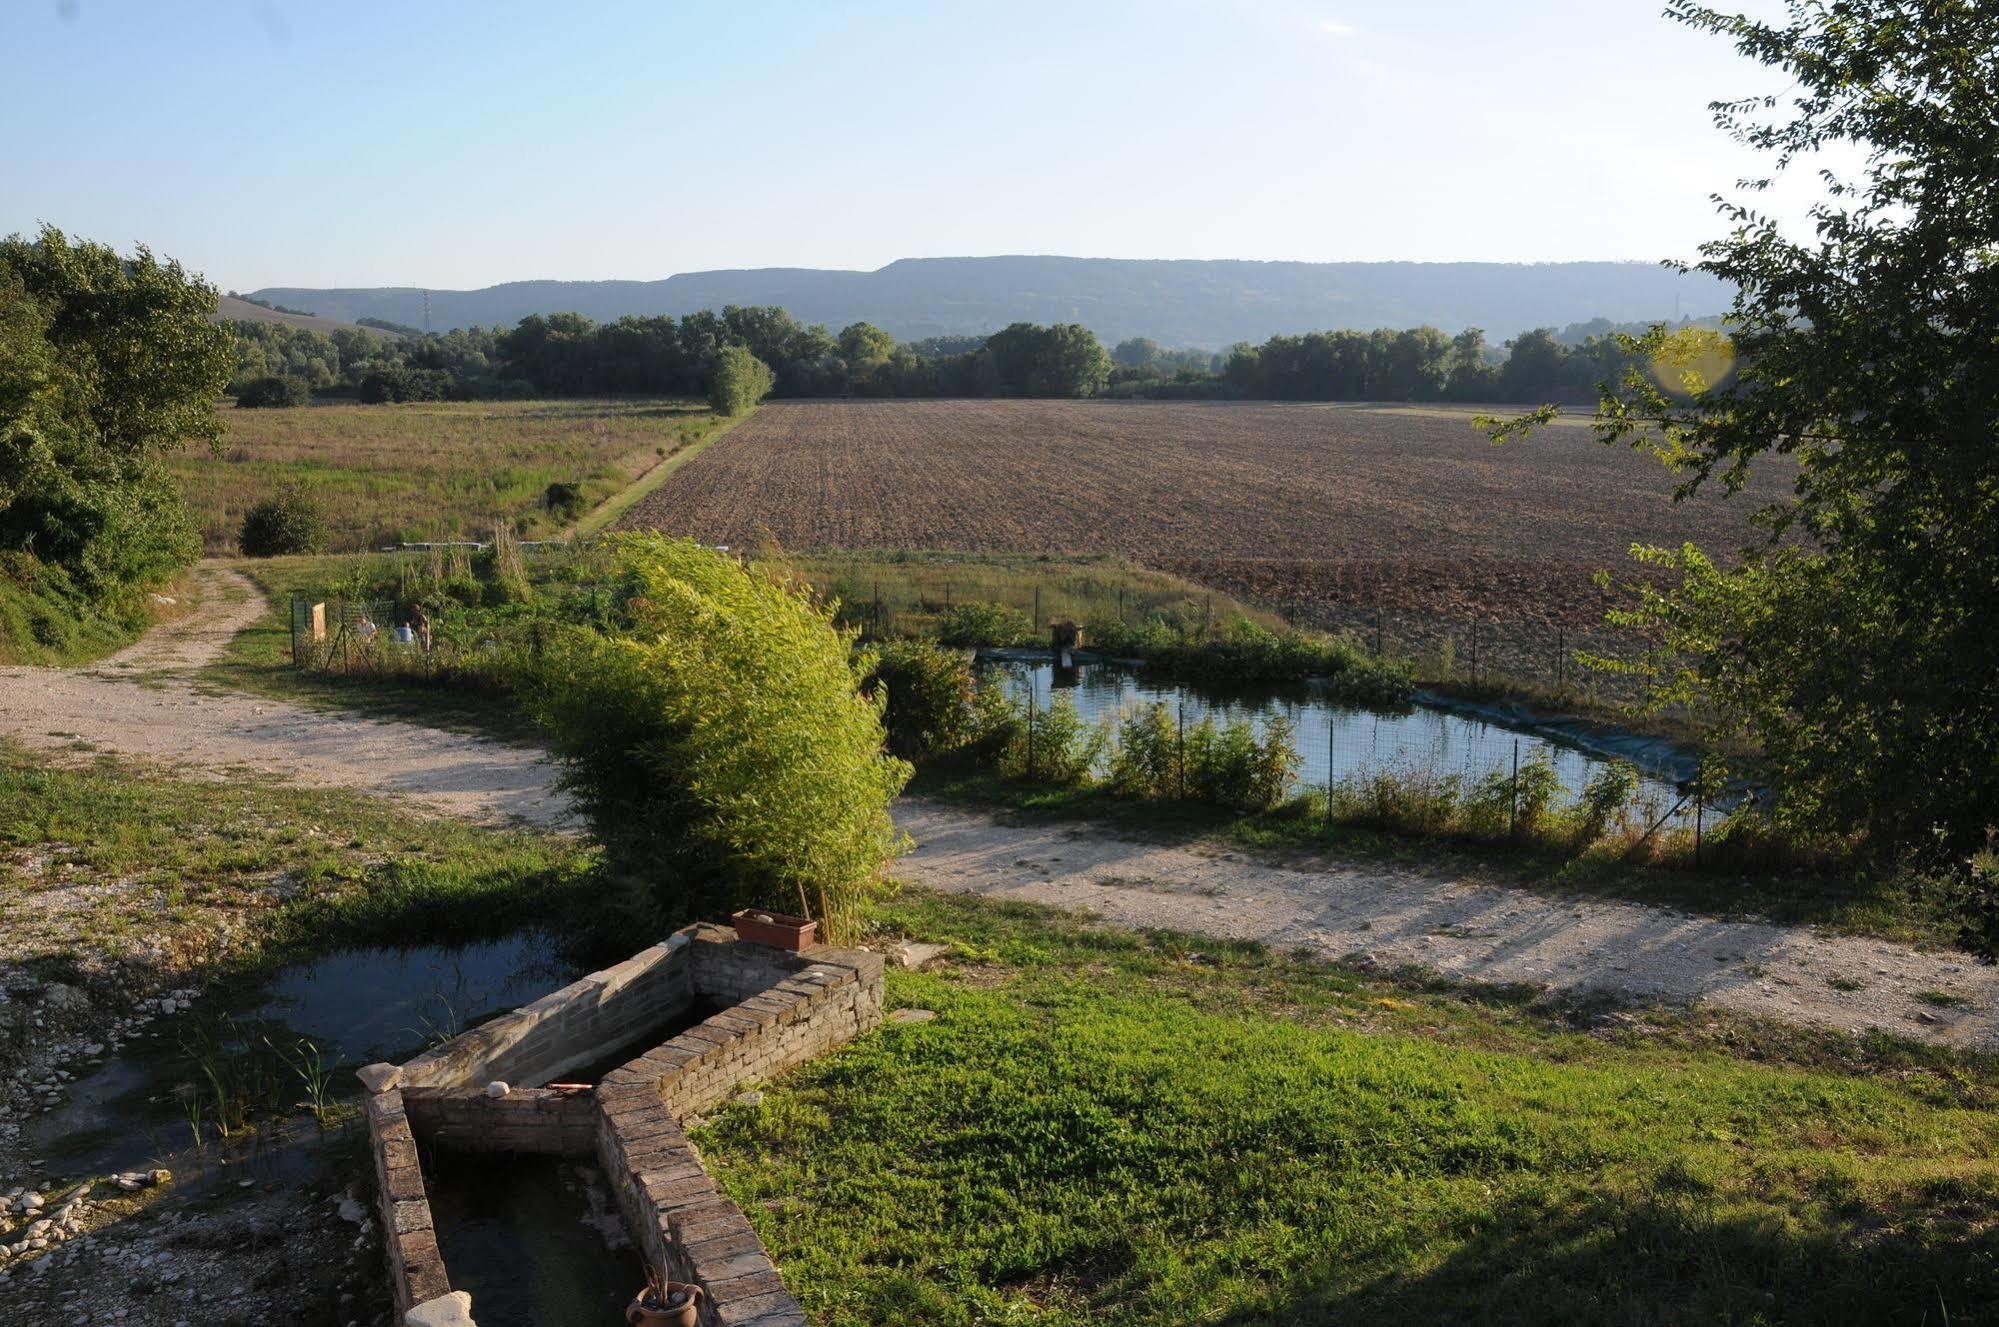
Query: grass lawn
106	867
436	470
916	588
1106	1128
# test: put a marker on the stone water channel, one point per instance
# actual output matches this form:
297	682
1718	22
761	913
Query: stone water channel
541	1239
1435	735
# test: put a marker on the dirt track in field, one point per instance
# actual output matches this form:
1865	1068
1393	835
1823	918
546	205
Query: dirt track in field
1316	508
1393	917
149	702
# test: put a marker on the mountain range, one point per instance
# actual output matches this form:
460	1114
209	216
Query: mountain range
1179	302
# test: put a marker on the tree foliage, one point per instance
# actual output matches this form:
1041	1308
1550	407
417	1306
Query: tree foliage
721	746
107	365
274	391
1856	644
738	381
289	521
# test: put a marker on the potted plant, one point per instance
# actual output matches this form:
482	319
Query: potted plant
664	1303
775	928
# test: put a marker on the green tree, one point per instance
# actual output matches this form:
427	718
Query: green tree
1063	360
289	521
738	381
864	343
721	746
274	391
1857	643
1137	352
107	365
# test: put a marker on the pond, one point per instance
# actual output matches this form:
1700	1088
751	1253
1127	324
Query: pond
1346	742
261	1041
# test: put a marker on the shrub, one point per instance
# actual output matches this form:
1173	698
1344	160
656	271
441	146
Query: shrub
1055	746
928	696
721	746
982	626
1605	798
274	391
1147	762
1240	652
563	501
386	386
738	381
289	521
1231	766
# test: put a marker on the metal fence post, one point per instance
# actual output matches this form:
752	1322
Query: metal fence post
1513	796
1030	727
1561	658
1474	650
1377	633
1700	807
1037	608
1182	762
1332	730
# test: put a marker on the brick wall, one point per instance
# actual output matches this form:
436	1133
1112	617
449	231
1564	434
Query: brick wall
416	1269
525	1120
783	1009
566	1029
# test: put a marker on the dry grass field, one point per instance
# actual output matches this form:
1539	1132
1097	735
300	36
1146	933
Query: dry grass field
441	470
1339	515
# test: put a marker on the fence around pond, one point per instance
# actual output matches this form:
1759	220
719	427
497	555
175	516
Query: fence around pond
1342	745
1544	655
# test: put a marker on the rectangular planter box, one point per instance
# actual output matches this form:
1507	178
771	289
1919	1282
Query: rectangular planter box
775	929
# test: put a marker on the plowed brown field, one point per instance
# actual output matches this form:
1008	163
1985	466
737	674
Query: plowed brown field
1319	509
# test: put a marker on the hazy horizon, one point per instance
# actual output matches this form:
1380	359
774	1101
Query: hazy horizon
459	146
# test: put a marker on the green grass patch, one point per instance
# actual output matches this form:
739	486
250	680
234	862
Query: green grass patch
47	619
104	864
908	592
1101	1127
435	470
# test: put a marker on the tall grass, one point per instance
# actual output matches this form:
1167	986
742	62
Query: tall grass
434	470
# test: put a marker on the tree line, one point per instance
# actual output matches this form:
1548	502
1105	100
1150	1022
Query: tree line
566	354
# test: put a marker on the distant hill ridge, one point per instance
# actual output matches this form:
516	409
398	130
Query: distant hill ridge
1179	302
230	309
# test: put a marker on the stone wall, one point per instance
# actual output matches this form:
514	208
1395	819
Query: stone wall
566	1029
782	1009
557	1123
416	1269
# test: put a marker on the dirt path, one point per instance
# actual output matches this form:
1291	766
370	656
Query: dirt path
1393	916
147	702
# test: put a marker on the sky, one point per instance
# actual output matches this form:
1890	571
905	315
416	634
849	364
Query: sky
453	144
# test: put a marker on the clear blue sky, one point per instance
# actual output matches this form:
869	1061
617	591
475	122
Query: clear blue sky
452	144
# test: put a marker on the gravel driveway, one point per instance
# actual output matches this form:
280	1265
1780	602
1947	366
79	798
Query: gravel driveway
1393	916
146	701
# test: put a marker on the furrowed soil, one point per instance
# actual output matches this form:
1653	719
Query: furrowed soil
1405	521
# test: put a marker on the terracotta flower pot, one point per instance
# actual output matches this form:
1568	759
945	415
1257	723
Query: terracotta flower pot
775	929
647	1311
